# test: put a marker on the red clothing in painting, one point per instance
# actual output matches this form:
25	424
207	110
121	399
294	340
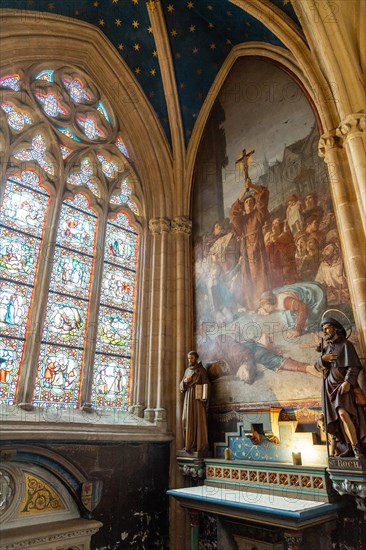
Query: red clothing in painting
281	257
252	280
194	419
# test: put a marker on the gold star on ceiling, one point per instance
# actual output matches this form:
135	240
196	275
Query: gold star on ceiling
192	28
173	32
138	70
153	72
135	2
135	24
101	22
209	7
195	50
189	5
213	46
150	29
211	25
121	46
285	2
118	22
155	53
95	4
170	8
115	1
136	47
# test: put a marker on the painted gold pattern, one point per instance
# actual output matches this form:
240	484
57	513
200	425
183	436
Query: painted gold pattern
39	497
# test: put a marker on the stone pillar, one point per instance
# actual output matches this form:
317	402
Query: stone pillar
160	411
149	413
349	225
181	228
352	130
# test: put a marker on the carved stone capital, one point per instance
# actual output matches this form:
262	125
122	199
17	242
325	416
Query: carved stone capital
352	125
182	224
154	226
164	225
159	225
329	140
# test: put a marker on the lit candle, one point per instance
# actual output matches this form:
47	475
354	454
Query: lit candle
296	459
227	454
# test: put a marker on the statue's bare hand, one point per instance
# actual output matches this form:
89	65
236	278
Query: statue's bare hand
329	357
345	387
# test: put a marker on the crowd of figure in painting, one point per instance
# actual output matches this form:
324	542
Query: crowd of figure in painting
257	262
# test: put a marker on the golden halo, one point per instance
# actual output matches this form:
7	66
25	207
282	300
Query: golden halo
344	315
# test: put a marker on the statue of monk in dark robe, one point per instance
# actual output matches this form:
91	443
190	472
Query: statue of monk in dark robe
194	385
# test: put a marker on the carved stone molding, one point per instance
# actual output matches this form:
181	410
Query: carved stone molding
353	124
182	224
329	140
159	225
49	538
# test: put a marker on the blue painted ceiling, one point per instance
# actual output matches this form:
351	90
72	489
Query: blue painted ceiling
201	34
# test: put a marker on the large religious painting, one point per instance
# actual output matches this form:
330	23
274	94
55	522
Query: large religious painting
267	254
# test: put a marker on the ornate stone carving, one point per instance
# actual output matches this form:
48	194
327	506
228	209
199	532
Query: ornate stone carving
351	125
88	532
182	224
159	225
329	140
154	226
6	490
164	225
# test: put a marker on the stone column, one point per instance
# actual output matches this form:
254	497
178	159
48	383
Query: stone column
149	413
182	228
160	412
352	130
350	225
138	385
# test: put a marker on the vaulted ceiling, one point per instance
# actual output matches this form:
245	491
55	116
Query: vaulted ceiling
201	34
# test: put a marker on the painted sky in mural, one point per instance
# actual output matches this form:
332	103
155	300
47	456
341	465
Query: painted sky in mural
268	260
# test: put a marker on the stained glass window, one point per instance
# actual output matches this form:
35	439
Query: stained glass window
17	120
11	81
56	283
63	338
116	317
22	219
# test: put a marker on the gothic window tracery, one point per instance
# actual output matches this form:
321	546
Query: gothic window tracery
66	197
